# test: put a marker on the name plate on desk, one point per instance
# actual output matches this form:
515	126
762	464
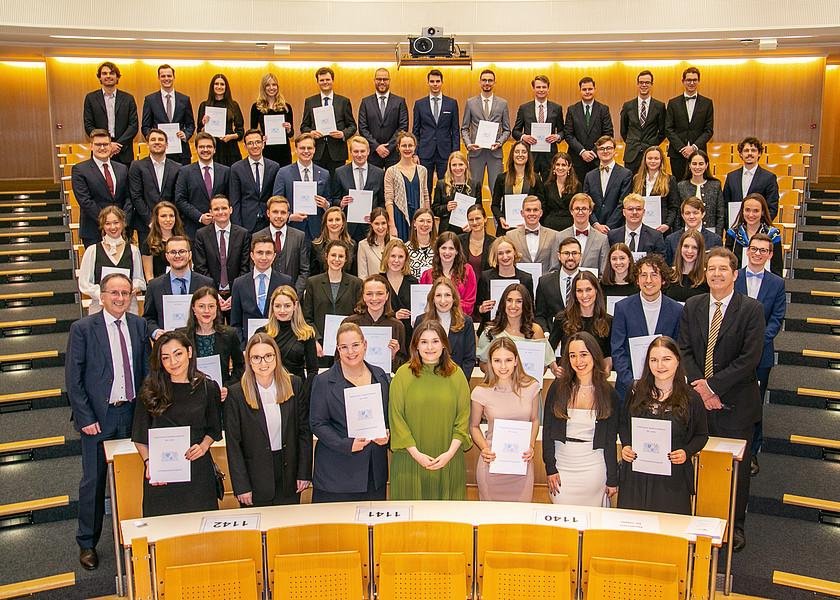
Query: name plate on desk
251	521
577	519
617	519
706	526
383	514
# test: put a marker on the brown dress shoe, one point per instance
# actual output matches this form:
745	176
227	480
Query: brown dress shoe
88	558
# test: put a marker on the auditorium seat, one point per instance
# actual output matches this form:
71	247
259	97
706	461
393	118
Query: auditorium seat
319	576
611	578
226	580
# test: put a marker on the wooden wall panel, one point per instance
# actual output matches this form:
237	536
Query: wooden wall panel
830	135
25	122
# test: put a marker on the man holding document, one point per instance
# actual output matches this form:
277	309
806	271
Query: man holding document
485	128
174	111
306	186
358	188
539	123
329	118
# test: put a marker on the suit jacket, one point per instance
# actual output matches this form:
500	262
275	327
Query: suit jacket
527	114
763	182
89	368
143	187
248	202
650	240
474	112
92	193
737	354
578	135
636	138
206	258
436	138
244	304
608	204
293	259
712	197
125	120
337	468
710	240
681	132
154	112
549	299
284	185
595	252
250	460
331	147
773	299
344	180
226	345
629	321
549	243
318	301
191	196
160	286
377	129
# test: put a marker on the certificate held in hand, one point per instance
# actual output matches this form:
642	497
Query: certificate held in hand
365	415
324	119
305	192
458	217
513	209
173	144
541	131
217	123
275	132
486	134
360	207
168	461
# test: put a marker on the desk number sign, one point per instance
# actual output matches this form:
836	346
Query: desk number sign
229	523
383	514
562	518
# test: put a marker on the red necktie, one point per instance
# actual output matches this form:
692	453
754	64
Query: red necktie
278	242
579	232
109	181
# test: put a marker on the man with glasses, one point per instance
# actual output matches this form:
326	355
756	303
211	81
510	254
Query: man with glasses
485	107
107	360
689	123
113	110
594	247
638	236
180	280
642	122
198	183
555	288
534	242
381	116
607	185
251	184
586	122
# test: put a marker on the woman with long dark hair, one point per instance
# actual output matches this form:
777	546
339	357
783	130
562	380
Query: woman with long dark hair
698	182
448	261
374	310
689	274
476	242
444	306
166	222
371	249
333	227
619	276
219	96
586	311
561	185
420	241
754	217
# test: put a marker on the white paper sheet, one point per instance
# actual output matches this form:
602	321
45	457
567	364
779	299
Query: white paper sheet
732	209
532	357
361	206
304	197
365	415
632	521
653	211
118	270
173	144
637	256
510	440
211	366
419	293
378	353
458	217
167	454
535	269
275	132
324	119
254	324
217	124
706	526
638	352
513	209
611	302
486	134
541	131
652	443
176	310
331	323
497	288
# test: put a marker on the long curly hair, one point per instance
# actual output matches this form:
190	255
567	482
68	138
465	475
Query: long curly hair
156	392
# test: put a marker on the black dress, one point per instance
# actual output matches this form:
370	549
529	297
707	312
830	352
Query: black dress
159	264
279	153
663	493
556	214
682	291
558	335
440	199
200	409
227	153
619	289
299	357
401	298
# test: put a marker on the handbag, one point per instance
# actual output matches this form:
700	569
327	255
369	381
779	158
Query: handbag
217	472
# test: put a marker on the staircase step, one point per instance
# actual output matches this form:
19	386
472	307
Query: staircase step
811	584
822	216
824	270
781	421
38	293
46	422
41	271
810	387
34	444
42	479
9	206
33	352
14	221
782	475
25	389
819	250
50	195
813	292
807	349
812	319
36	586
37	510
28	235
28	253
35	320
817	233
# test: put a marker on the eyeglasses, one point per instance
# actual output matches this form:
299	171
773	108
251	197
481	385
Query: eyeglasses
581	209
254	143
101	144
266	358
759	251
606	148
567	254
177	252
645	82
634	208
345	348
117	293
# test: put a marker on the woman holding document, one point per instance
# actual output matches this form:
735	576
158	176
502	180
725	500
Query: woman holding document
374	310
405	187
448	261
444	306
653	180
350	468
269	443
661	397
586	311
176	395
502	259
219	97
456	181
519	178
271	103
509	394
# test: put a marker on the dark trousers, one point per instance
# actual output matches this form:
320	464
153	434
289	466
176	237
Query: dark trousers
743	490
329	164
678	167
582	167
371	493
279	499
763	376
383	163
542	165
435	164
636	163
117	425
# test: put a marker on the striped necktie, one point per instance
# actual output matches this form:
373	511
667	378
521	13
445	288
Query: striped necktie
717	318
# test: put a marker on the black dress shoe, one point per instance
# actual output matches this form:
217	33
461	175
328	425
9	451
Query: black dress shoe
88	558
754	468
739	540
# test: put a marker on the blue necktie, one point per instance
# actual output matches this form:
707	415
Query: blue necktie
261	291
183	283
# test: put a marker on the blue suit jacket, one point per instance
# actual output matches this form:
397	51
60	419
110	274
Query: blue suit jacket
191	196
607	209
436	139
772	296
244	304
763	182
629	321
182	113
650	240
248	203
161	286
284	185
89	370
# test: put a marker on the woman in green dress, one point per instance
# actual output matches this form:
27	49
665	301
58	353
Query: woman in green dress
429	408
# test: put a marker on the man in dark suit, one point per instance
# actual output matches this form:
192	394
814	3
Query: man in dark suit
554	288
180	280
608	185
114	111
221	250
169	106
251	292
721	342
251	183
436	127
638	236
199	182
751	178
541	110
151	180
358	174
381	116
769	289
330	146
642	123
586	122
107	360
693	214
689	123
650	312
290	245
99	182
304	170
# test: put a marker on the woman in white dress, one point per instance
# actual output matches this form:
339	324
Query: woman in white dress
580	424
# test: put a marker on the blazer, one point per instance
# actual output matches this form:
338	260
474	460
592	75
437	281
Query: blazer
89	369
500	189
436	138
737	354
377	129
776	261
483	290
161	286
95	116
191	196
284	185
763	182
608	203
344	180
206	258
143	187
710	240
334	149
318	301
549	301
650	240
440	199
244	304
555	207
337	468
461	345
474	112
669	203
293	259
154	112
578	135
595	252
549	244
92	193
636	138
772	296
527	114
226	344
250	461
712	197
485	249
248	202
629	321
681	131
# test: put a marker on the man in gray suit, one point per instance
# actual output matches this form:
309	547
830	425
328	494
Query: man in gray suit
642	123
533	241
485	107
290	245
594	246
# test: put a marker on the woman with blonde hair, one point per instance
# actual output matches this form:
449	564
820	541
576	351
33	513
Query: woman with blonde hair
271	101
457	180
502	259
397	272
294	337
443	304
405	187
653	179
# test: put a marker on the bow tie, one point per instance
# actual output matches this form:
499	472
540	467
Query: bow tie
579	232
758	276
687	98
605	168
532	231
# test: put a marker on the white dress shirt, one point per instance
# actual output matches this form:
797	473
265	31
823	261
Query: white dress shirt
628	231
746	180
261	163
690	102
646	103
256	275
533	243
273	418
310	166
99	164
364	169
723	307
330	96
651	310
605	175
563	277
159	168
163	95
753	283
110	110
537	105
118	387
